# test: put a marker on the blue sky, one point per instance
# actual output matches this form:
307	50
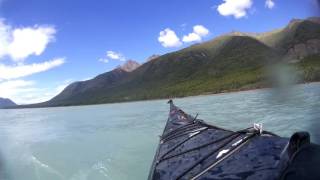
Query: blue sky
48	44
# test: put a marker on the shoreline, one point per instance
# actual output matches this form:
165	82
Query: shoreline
157	99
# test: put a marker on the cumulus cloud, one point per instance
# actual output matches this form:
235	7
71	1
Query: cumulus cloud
29	41
200	30
112	55
115	56
236	8
19	43
168	38
21	70
198	33
191	37
269	4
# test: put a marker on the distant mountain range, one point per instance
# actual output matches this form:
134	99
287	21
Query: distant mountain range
234	61
4	102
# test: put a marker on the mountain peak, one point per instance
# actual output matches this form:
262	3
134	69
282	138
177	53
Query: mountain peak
294	22
237	33
129	65
5	102
312	19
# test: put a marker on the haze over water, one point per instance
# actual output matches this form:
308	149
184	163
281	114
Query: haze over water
118	141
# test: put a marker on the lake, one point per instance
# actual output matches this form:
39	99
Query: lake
118	141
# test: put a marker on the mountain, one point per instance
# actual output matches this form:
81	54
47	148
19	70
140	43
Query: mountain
4	102
152	57
234	61
129	66
100	82
299	39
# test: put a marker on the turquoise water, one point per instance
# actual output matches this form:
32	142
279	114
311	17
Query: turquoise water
118	141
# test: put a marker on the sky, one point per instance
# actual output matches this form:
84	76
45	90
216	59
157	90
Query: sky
46	45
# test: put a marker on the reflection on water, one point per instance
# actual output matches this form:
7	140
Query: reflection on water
117	141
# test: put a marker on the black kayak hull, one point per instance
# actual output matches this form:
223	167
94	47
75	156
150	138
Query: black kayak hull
189	148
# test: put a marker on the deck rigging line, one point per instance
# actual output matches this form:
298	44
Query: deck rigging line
228	154
184	130
179	129
236	134
210	154
179	144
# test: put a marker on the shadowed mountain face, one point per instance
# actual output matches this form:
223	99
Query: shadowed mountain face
4	102
231	62
102	81
299	39
297	33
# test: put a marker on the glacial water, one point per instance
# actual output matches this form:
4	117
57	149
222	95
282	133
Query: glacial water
118	141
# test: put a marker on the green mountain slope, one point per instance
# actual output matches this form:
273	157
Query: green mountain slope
226	63
298	31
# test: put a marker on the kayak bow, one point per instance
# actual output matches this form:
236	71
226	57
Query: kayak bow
190	148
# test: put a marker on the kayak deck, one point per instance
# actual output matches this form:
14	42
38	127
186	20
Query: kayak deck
192	149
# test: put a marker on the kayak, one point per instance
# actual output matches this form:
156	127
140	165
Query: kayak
190	148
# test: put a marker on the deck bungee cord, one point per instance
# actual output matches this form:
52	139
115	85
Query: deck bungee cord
179	144
182	128
233	135
223	157
236	134
177	135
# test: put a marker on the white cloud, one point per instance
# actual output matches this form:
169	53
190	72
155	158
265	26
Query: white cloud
112	55
18	71
115	56
199	31
7	87
27	92
168	38
19	43
236	8
10	89
29	41
191	37
269	4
